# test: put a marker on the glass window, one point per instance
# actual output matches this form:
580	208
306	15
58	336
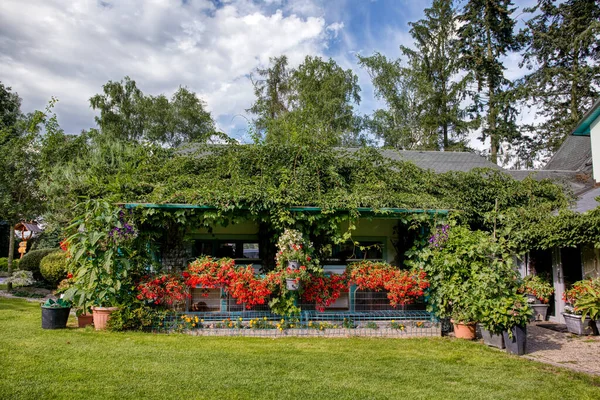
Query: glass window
250	250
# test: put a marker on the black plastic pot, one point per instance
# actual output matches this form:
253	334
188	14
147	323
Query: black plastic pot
516	344
55	318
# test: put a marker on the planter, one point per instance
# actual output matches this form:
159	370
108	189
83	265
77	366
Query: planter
576	326
292	284
492	339
84	320
516	344
531	299
101	316
55	317
464	331
293	264
540	311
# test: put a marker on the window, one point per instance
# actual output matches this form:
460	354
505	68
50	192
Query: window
219	248
365	250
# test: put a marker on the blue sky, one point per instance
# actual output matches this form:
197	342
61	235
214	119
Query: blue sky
69	49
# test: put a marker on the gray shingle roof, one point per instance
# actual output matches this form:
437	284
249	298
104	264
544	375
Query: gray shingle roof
439	161
587	201
575	154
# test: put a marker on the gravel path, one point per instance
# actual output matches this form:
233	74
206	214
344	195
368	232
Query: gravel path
580	353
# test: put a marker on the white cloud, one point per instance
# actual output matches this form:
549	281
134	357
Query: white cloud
49	49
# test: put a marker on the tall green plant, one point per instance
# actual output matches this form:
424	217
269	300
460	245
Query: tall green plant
466	269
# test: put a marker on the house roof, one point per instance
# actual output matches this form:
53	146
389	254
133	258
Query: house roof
583	127
440	161
587	201
575	154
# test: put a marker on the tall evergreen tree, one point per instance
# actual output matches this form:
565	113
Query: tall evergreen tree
436	63
485	36
424	91
563	54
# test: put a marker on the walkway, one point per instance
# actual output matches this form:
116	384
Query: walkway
579	353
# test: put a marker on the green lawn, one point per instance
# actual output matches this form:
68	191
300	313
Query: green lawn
82	363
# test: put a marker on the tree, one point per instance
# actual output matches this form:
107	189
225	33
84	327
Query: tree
126	113
435	64
485	36
399	125
20	198
313	103
563	54
424	91
272	91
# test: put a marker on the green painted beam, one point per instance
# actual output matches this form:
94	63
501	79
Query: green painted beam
583	127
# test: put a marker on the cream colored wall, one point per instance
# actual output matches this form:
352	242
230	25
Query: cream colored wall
376	227
595	143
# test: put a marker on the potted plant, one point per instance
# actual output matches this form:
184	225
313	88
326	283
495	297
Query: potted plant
538	291
293	250
464	321
583	305
55	314
102	259
517	313
466	269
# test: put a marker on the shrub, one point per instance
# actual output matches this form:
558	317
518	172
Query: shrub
133	317
53	267
21	278
31	261
4	263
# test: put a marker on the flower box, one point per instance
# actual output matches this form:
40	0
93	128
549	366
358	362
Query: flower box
576	325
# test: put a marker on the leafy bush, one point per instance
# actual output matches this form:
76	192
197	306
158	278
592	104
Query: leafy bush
31	261
53	267
4	264
467	269
132	317
21	278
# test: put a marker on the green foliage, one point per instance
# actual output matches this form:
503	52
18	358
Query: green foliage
104	259
31	261
53	267
536	286
502	314
465	269
312	104
424	94
562	56
21	278
58	303
133	317
4	264
485	36
126	113
587	299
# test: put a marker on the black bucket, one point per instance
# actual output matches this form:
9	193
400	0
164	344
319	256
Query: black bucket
55	318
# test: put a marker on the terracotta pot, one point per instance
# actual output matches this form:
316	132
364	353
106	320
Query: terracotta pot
101	316
464	331
84	320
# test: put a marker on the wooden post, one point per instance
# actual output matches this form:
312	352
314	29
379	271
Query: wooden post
559	285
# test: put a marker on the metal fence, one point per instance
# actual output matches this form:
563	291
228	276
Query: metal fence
384	323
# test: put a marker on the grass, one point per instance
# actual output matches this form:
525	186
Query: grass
82	363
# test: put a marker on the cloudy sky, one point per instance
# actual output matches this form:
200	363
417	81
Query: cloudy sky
69	49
